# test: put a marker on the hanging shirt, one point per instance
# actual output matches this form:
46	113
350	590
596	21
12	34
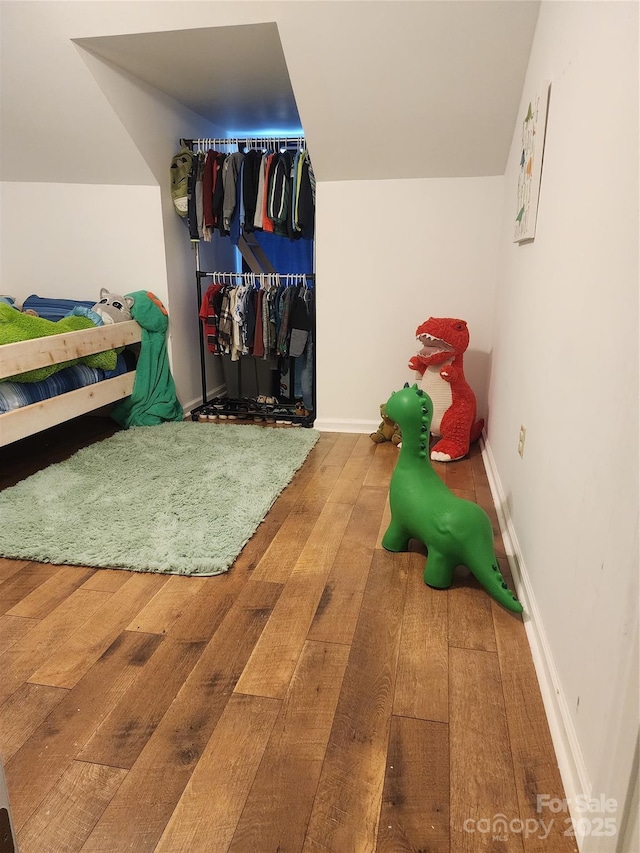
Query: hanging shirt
240	312
198	191
230	171
225	322
258	339
207	195
209	315
267	224
262	172
236	340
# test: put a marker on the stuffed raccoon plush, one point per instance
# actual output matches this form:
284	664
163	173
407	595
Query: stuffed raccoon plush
112	307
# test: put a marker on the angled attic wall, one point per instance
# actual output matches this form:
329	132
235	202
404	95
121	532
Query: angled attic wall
439	79
412	90
56	124
566	366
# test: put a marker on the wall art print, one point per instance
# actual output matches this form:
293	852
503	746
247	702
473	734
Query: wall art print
534	125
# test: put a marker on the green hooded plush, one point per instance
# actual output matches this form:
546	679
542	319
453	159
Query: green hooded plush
16	326
153	399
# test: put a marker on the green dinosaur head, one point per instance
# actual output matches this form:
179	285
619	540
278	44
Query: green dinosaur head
411	408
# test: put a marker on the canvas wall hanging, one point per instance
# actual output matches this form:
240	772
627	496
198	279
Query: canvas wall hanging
534	124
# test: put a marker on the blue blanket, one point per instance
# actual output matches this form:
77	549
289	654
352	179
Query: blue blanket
15	395
53	309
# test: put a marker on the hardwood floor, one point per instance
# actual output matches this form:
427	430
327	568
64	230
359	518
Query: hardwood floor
317	697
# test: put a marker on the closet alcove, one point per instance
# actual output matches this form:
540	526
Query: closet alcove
221	82
259	318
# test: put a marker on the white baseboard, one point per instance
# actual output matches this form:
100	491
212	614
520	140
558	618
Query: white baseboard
346	425
188	407
563	734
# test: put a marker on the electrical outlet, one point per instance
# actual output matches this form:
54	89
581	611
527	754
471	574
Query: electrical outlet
523	434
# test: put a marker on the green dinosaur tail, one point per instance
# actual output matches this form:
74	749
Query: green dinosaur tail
496	586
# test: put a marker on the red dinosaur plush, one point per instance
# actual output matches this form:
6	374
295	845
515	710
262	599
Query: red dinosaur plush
439	364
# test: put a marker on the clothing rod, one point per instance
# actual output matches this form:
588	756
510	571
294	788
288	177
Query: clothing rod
270	142
259	275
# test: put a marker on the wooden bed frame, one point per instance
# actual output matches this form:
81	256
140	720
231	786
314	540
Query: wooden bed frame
40	352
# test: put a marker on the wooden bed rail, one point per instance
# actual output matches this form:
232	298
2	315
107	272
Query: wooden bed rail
28	420
52	349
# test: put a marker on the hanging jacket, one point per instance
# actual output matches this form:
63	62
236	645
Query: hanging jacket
252	161
230	171
306	202
218	192
181	164
192	215
207	195
280	192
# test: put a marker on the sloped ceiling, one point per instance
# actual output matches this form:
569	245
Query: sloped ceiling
382	89
236	77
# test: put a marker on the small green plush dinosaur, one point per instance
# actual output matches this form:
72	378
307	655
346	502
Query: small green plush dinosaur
455	531
16	326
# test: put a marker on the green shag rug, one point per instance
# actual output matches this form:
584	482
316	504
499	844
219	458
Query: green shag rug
180	498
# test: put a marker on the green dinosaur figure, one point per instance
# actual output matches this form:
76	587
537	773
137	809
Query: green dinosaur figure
455	531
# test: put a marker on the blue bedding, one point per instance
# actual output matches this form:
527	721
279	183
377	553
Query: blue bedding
53	309
15	395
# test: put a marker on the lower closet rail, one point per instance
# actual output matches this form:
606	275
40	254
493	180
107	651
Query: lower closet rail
262	410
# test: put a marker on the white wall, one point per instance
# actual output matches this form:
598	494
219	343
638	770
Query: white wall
390	254
565	365
69	240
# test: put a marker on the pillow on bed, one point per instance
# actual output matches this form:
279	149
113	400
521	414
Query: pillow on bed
16	326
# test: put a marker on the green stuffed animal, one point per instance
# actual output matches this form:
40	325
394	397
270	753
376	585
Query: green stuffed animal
16	326
388	429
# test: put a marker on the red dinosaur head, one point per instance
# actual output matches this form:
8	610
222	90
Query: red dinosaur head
442	339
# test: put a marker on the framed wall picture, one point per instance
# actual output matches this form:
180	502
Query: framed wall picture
534	125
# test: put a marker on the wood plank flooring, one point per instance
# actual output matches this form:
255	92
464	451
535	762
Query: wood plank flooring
317	697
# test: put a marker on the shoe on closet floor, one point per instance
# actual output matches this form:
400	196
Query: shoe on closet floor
205	414
282	416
